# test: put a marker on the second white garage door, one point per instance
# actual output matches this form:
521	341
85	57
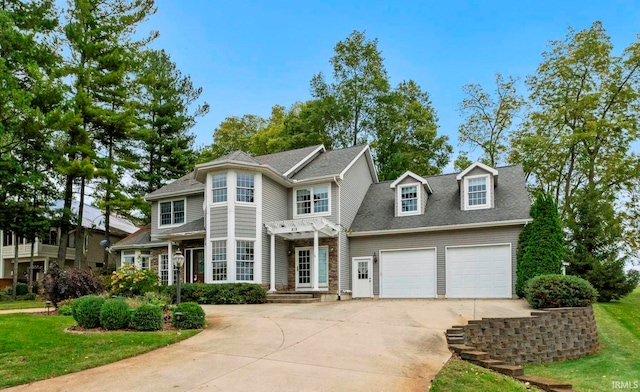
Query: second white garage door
479	271
409	273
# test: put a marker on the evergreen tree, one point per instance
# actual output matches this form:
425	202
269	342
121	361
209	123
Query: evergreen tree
542	248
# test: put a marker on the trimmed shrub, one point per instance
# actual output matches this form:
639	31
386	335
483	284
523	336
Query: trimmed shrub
65	310
192	316
27	296
86	310
541	243
559	291
22	289
60	284
115	314
218	293
147	317
131	281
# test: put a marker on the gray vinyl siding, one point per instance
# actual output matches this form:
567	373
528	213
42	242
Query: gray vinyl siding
334	202
366	246
218	222
275	207
194	211
353	189
245	222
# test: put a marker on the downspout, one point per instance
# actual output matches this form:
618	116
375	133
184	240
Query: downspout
339	234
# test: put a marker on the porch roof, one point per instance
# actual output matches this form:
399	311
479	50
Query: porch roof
302	228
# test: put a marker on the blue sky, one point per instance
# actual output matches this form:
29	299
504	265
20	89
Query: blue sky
251	55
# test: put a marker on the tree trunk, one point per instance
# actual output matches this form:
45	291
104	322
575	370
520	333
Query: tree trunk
107	207
64	222
79	252
15	270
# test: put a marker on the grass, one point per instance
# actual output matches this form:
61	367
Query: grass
21	305
30	342
616	361
458	375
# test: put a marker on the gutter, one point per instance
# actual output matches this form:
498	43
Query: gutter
515	222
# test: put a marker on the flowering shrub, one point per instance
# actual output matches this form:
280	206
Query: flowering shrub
131	281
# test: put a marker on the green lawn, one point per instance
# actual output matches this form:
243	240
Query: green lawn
458	375
619	357
35	347
21	305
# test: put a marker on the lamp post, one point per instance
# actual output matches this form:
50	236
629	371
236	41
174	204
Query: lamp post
178	259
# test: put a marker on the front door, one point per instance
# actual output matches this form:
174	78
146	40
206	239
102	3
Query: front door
194	265
304	267
362	271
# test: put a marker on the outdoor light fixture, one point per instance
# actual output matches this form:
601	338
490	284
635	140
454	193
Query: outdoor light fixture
48	305
375	257
178	260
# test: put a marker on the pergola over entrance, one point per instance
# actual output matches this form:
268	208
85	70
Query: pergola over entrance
299	229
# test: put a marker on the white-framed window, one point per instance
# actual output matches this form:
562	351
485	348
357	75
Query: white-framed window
244	260
141	259
172	212
408	199
163	267
219	185
7	238
313	201
219	260
128	257
477	192
244	188
145	260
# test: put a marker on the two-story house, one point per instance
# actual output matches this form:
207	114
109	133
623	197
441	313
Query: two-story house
320	221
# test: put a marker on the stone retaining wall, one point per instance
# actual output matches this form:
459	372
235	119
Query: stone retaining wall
547	336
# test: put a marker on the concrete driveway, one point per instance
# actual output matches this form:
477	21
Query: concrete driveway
364	345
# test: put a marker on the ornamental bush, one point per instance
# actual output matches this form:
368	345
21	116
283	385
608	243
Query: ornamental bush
86	310
60	284
219	293
65	310
559	291
192	316
147	317
131	281
115	314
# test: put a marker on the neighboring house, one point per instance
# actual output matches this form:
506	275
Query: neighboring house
317	220
46	248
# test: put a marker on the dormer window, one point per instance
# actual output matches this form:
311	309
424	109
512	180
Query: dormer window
477	192
409	199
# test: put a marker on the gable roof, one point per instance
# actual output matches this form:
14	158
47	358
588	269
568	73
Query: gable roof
139	239
286	161
186	184
416	177
481	165
238	156
329	163
376	212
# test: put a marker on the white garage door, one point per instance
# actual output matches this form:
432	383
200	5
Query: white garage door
479	271
408	273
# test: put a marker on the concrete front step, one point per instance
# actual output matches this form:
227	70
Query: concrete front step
474	355
291	296
292	300
509	370
547	385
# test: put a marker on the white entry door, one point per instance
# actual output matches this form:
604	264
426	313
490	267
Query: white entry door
304	267
362	273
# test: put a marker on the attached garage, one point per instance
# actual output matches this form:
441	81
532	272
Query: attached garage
479	271
408	273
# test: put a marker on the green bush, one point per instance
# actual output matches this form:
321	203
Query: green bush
86	310
27	297
218	293
147	317
22	289
559	291
115	314
65	310
192	316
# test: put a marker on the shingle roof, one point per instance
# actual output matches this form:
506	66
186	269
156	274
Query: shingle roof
329	163
140	237
283	161
184	183
189	227
443	206
239	156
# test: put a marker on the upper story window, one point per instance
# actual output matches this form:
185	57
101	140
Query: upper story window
172	212
245	188
477	189
312	200
219	184
50	237
7	238
408	199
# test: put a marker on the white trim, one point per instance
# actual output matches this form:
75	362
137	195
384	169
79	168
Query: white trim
210	262
231	228
148	245
311	189
209	189
339	253
418	211
255	187
184	192
304	160
170	264
448	267
354	275
514	222
435	267
170	225
257	252
365	149
465	192
473	166
272	263
235	262
411	174
208	255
